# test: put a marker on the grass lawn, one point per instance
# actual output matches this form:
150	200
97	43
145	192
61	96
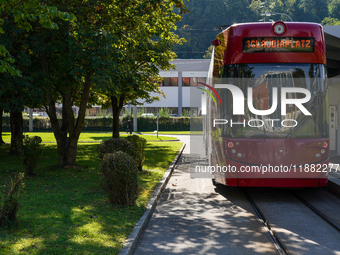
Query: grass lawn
65	212
175	132
84	137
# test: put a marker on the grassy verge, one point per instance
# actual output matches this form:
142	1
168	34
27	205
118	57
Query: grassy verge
64	211
176	132
85	137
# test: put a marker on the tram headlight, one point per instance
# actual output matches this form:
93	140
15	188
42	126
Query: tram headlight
233	151
318	155
239	155
279	28
323	151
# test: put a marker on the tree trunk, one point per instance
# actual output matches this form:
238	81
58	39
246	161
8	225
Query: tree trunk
30	170
1	112
16	131
117	105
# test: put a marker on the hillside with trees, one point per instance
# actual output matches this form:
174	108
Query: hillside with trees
200	26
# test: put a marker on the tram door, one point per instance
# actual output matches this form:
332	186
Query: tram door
332	129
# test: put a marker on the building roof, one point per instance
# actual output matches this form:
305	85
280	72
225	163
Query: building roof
332	36
183	65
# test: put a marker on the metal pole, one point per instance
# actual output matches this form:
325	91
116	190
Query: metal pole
157	123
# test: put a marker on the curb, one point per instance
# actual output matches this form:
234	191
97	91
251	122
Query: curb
333	187
175	140
133	239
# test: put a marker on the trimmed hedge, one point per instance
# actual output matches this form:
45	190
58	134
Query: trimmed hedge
139	144
116	144
105	124
119	178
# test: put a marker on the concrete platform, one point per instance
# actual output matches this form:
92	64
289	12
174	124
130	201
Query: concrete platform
334	177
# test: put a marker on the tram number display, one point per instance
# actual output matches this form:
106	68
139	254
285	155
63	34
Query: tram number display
278	44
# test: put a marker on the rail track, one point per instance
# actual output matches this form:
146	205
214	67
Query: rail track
272	235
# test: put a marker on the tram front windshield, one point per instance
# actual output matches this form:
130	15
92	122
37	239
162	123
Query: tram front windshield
262	78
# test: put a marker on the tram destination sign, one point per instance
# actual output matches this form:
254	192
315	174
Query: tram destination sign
278	44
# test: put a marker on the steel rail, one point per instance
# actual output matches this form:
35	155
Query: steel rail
280	247
319	213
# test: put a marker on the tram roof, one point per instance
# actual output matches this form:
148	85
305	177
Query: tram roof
332	36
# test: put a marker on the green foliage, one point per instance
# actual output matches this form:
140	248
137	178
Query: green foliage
139	143
168	124
105	123
164	112
208	52
186	113
24	14
31	151
119	178
116	144
126	113
197	27
39	123
328	21
10	199
140	111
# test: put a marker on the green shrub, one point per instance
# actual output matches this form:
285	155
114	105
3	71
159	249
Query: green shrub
116	144
139	144
31	151
10	199
105	124
119	178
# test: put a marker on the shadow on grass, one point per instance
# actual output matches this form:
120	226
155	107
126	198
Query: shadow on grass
100	138
65	212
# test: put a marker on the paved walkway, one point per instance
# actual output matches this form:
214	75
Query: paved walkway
192	218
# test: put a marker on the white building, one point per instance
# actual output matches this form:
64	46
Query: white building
179	86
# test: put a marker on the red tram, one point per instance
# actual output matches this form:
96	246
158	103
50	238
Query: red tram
277	73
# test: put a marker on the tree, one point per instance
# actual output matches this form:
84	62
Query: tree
334	9
1	112
146	49
16	92
95	51
328	21
16	18
312	10
208	52
24	13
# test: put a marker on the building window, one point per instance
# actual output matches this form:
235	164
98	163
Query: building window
185	81
170	81
193	81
